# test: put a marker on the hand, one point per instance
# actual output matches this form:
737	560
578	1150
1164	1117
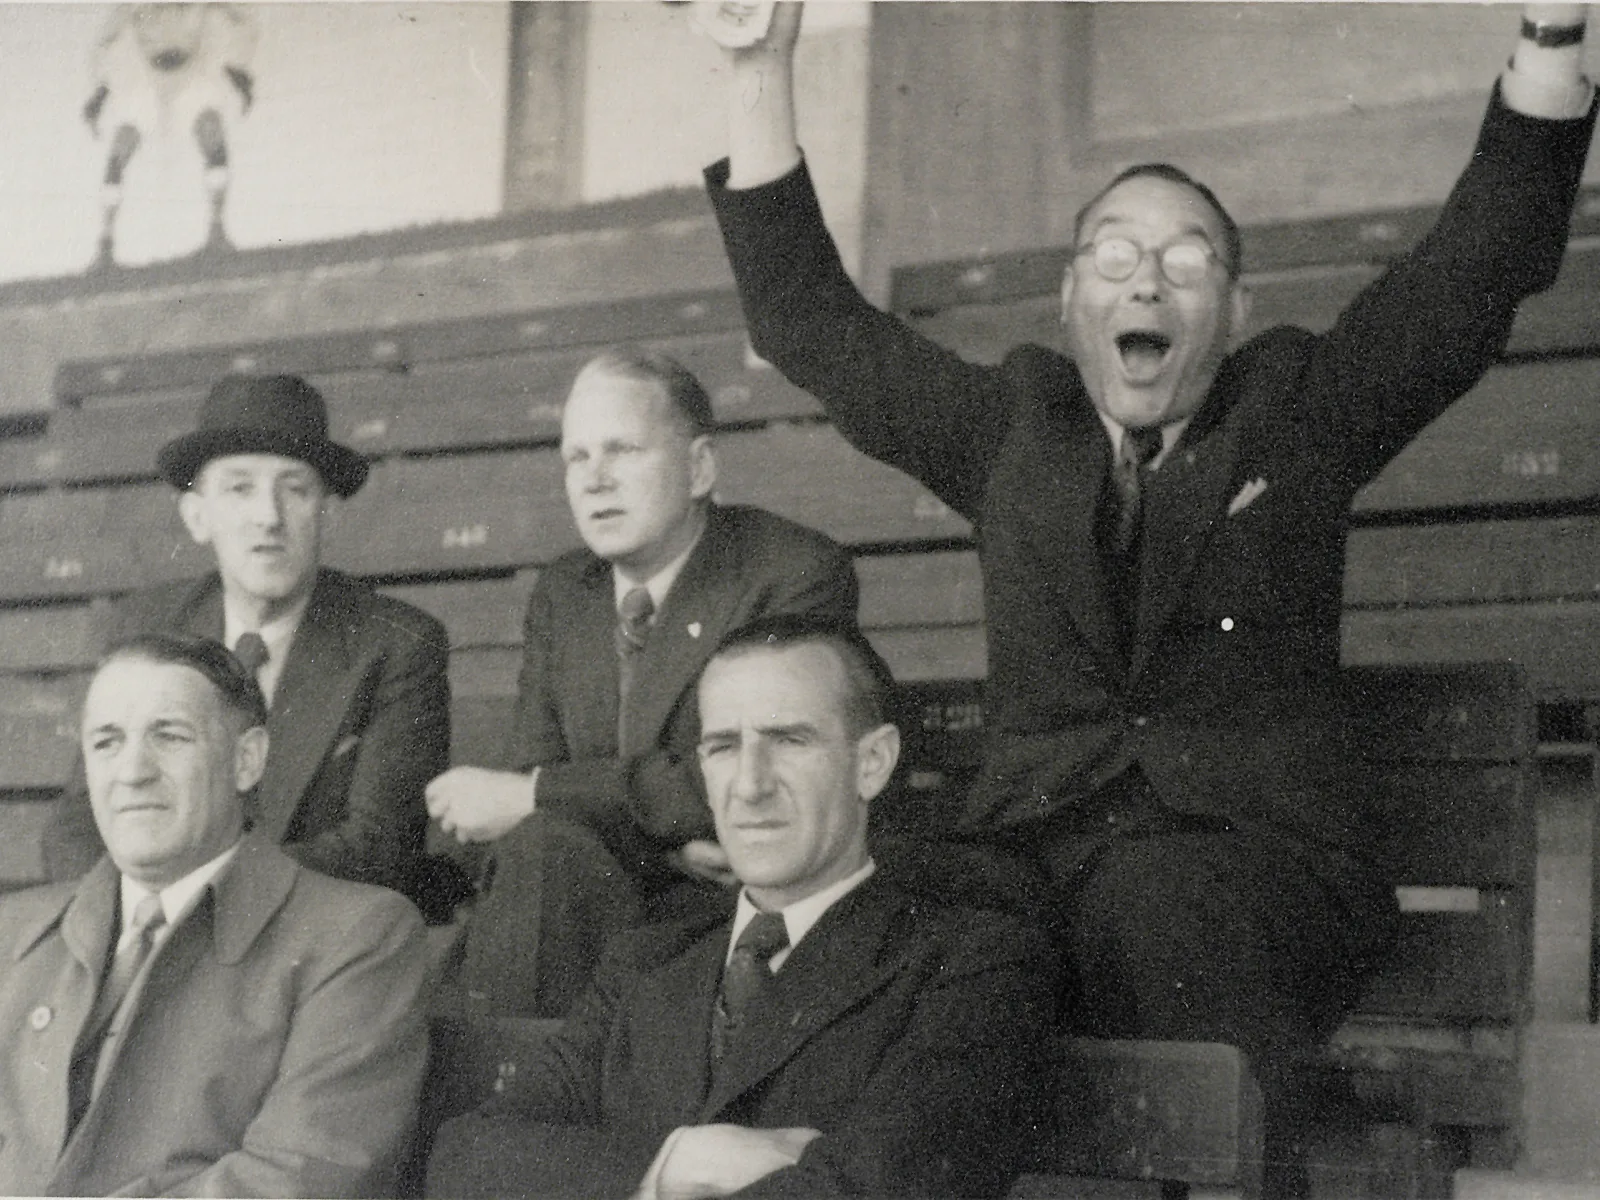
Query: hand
478	805
781	37
697	1161
705	859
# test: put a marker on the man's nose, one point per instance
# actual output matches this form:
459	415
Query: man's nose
600	476
135	764
266	508
1147	283
752	775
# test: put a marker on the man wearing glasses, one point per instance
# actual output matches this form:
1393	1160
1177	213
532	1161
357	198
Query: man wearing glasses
1161	513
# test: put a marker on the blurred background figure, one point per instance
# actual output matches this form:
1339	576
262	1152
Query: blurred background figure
170	80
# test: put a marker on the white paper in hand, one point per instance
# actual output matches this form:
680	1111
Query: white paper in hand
731	23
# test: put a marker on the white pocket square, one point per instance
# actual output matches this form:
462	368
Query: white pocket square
1247	495
346	744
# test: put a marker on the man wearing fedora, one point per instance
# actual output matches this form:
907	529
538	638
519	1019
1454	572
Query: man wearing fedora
359	703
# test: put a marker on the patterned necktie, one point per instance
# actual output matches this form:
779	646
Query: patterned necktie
746	978
1138	447
132	953
633	627
252	652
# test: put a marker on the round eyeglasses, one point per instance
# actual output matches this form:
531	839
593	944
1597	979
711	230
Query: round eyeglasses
1183	263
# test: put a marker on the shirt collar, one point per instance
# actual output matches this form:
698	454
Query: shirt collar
659	584
179	897
799	917
1169	437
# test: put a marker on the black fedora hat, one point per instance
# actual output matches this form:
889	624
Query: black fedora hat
263	414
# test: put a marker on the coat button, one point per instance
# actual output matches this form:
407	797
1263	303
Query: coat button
1141	722
39	1018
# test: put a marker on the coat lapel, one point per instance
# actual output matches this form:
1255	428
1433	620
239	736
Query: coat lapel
1183	502
1076	459
697	613
838	964
588	703
678	1049
308	707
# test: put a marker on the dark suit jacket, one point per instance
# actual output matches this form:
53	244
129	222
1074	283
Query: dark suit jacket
648	798
913	1035
1228	699
276	1047
359	724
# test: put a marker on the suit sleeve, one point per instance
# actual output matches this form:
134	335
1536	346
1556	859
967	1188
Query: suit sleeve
339	1116
1425	332
659	793
955	1104
893	393
404	744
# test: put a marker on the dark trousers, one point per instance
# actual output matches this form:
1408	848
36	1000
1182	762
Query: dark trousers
1187	928
557	894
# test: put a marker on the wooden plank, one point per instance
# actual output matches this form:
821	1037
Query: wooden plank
672	314
22	825
456	513
39	729
1458	968
1475	561
52	637
1529	433
915	655
810	474
1179	1111
1473	711
1458	825
67	567
1557	643
900	590
479	612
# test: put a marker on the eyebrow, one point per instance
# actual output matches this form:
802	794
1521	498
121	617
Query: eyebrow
715	735
1194	228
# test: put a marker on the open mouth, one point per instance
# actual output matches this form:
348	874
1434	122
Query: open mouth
1143	351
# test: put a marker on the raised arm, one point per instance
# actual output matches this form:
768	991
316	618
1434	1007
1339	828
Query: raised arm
1424	333
896	395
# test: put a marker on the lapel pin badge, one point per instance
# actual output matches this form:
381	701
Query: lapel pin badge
694	629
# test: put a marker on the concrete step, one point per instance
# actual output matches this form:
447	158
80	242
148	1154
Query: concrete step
1512	1185
1561	1103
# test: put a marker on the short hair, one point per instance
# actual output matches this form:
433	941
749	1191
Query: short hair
1233	242
686	396
869	684
236	687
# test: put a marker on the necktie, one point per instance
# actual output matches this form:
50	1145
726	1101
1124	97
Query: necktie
746	978
633	627
1138	447
252	652
132	953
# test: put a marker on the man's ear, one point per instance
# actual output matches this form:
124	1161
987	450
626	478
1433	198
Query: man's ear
1067	280
193	511
1239	302
702	467
249	758
877	752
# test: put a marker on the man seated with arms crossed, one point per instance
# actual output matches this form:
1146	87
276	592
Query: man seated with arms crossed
359	704
601	824
1161	514
839	1037
201	1015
